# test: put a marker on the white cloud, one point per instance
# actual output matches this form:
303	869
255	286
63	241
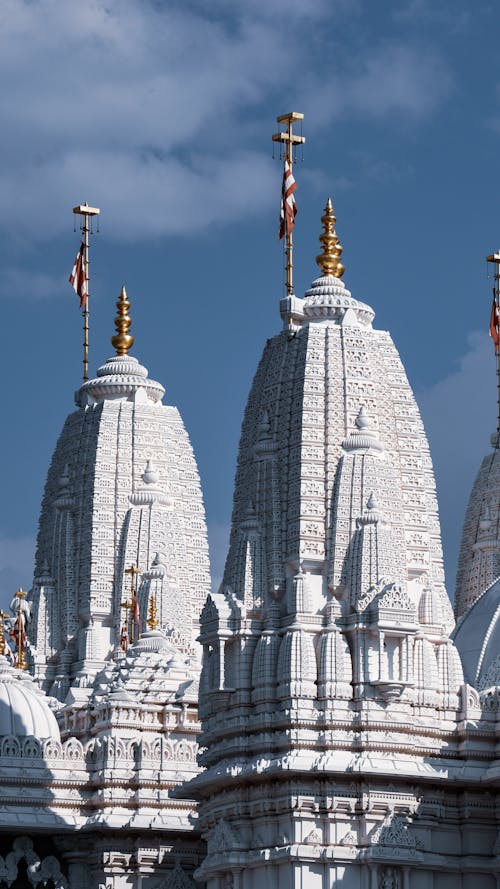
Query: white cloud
148	108
459	413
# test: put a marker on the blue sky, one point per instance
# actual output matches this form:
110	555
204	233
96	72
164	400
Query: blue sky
161	113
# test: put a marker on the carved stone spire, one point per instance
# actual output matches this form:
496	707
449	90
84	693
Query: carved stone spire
122	341
329	258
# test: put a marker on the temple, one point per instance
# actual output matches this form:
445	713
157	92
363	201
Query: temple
319	721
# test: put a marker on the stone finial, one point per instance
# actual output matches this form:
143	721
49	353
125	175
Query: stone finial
122	341
362	420
364	436
371	514
150	475
329	258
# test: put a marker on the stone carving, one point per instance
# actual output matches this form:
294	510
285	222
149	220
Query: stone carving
393	839
389	878
491	676
314	838
39	871
178	879
221	839
395	598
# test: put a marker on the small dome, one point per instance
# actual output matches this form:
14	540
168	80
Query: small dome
153	641
23	709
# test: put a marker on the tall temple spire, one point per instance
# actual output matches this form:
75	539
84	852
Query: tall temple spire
329	258
122	341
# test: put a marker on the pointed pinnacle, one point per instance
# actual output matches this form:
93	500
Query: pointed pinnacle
122	341
329	258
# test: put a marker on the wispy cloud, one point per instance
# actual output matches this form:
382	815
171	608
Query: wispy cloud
24	283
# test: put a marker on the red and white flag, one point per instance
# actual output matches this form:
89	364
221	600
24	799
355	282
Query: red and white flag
494	323
77	278
288	203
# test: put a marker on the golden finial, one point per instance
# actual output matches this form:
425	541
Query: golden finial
122	340
329	258
152	620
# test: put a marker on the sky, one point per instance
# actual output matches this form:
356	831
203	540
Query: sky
161	114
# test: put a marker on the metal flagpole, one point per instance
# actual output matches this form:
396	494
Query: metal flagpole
495	259
86	211
289	139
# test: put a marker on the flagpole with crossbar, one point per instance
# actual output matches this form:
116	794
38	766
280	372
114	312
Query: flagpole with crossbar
494	258
289	139
86	211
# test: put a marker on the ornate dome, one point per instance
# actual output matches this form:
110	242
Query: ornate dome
24	710
477	637
479	562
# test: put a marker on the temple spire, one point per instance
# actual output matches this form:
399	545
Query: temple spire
329	258
122	341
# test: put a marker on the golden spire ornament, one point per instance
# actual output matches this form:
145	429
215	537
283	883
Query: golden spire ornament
329	258
122	341
152	620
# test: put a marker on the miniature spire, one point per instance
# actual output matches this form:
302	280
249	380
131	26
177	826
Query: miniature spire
122	340
329	258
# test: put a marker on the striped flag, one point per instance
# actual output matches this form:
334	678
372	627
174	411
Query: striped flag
494	331
288	204
77	278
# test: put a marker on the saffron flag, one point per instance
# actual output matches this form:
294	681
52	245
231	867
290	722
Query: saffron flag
77	279
288	203
494	326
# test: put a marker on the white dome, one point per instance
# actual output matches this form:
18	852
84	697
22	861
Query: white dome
477	635
23	709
